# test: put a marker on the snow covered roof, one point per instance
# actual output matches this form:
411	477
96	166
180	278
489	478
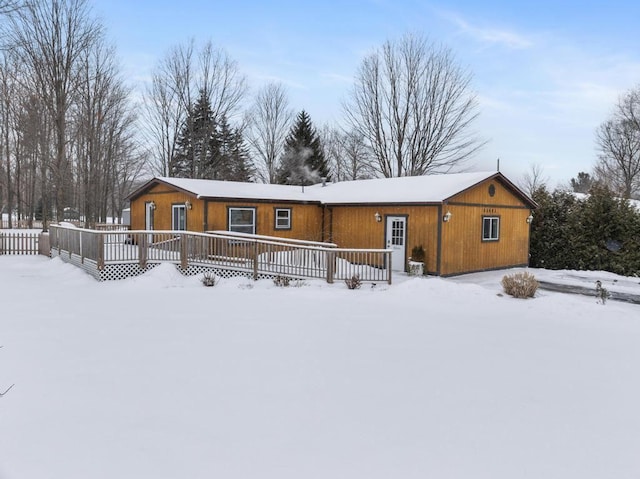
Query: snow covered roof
408	189
235	189
413	189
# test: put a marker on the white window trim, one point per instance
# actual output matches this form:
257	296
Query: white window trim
174	215
493	235
288	219
230	225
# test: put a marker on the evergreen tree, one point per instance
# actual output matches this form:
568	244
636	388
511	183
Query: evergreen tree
600	232
582	183
197	143
553	229
303	161
232	159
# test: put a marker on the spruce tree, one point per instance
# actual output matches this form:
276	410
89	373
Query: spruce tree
232	161
303	161
197	143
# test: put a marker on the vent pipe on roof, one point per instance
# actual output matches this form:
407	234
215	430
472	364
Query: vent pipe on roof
324	181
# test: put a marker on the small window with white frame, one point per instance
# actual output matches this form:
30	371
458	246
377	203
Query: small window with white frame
242	220
490	228
283	218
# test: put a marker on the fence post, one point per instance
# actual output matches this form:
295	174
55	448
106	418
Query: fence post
331	266
184	260
44	246
142	249
255	260
100	251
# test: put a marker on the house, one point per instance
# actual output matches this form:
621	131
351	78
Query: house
464	221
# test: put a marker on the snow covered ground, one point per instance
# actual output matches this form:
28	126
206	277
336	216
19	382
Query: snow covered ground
159	377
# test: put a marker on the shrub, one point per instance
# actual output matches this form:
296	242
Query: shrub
209	279
282	281
520	285
602	294
417	254
354	282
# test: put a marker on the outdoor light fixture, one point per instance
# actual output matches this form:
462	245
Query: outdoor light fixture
447	216
152	205
187	204
378	217
530	218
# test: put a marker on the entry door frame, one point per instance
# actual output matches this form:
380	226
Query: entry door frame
399	255
149	208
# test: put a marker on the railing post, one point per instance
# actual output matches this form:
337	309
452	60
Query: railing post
184	260
143	240
331	264
100	251
255	260
388	253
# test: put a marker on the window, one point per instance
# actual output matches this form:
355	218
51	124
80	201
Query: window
242	220
178	218
490	228
283	219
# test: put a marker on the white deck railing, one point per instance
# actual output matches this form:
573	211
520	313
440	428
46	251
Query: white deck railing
250	254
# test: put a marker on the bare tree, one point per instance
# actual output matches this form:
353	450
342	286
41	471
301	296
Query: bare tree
183	75
533	179
414	107
164	118
8	94
8	6
268	124
618	142
347	153
51	37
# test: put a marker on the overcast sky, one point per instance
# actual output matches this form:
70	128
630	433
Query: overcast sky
546	75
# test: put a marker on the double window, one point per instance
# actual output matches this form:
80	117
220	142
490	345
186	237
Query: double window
282	219
242	220
490	228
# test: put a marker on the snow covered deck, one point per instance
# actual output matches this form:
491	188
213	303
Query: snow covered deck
120	254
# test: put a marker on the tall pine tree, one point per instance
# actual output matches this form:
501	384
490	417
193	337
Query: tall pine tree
197	143
233	161
208	149
303	161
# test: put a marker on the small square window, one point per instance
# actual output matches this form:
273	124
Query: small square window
490	228
283	219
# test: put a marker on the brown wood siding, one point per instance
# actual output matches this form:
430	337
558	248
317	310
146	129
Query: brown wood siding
463	249
480	195
306	220
164	201
356	227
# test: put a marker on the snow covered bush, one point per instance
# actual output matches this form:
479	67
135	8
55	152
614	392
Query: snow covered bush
281	281
209	279
602	294
520	285
354	282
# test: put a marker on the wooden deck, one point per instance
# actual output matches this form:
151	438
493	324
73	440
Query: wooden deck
109	255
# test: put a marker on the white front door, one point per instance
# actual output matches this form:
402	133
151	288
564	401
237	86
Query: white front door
396	236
